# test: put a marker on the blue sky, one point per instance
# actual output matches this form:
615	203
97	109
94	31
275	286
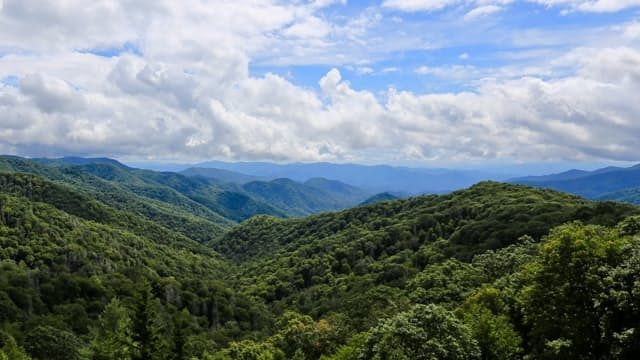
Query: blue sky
420	82
484	43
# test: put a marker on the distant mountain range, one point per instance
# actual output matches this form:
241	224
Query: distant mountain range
610	183
222	175
199	201
371	178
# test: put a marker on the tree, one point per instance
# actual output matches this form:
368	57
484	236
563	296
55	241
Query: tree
111	338
182	328
301	334
249	350
426	332
48	343
621	306
152	329
445	282
10	349
484	313
568	277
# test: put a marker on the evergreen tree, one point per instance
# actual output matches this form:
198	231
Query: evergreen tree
143	331
112	338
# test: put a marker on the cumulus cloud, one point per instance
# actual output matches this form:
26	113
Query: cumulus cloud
485	7
188	93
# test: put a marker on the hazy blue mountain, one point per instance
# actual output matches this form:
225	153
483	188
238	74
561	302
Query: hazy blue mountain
568	175
609	182
222	175
301	199
338	189
377	178
377	198
195	206
627	195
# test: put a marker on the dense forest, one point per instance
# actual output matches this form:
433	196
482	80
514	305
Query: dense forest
100	261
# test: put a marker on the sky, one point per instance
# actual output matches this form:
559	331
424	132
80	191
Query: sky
426	82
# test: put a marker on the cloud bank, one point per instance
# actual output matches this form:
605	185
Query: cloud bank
172	80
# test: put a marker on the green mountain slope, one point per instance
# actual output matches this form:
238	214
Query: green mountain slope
303	199
466	251
64	256
196	207
349	194
485	216
385	196
487	272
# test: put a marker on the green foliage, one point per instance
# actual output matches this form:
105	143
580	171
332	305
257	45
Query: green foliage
562	304
426	332
301	334
249	350
377	198
486	315
48	343
10	350
112	336
341	262
446	282
100	261
350	350
313	196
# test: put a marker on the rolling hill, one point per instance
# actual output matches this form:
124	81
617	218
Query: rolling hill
177	200
292	197
385	196
85	273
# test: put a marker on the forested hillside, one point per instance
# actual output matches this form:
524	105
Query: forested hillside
72	267
476	274
495	271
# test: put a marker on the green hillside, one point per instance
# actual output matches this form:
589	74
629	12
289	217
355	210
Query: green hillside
377	198
65	256
296	198
474	253
495	271
197	208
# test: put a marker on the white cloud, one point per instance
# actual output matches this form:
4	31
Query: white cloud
632	30
311	27
485	7
419	5
482	11
591	5
189	93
